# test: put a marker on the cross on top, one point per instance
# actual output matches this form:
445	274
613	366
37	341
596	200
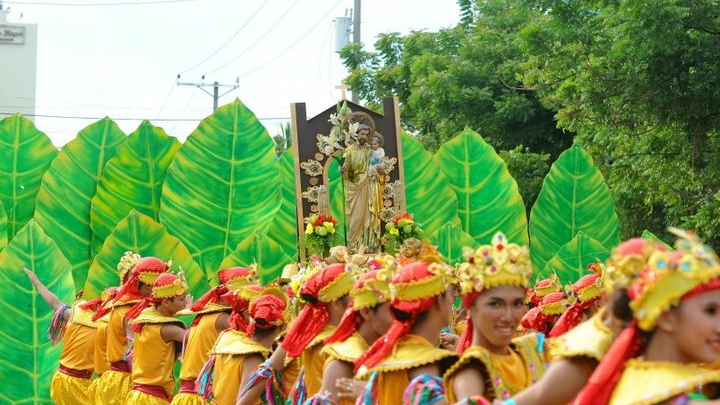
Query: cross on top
342	87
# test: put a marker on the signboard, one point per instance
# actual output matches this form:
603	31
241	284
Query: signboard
12	34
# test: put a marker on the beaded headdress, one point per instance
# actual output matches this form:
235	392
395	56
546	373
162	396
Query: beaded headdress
126	263
669	276
169	285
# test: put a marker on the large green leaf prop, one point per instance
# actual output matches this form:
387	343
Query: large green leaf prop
574	198
338	199
63	201
132	180
25	155
260	250
3	228
571	261
651	236
29	359
488	196
428	194
222	185
283	225
450	240
141	234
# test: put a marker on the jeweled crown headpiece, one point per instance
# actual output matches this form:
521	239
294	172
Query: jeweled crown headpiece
669	276
498	264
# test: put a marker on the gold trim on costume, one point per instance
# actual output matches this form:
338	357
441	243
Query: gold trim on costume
348	350
411	351
591	338
151	315
234	342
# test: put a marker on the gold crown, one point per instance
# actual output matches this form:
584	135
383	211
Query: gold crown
546	286
627	261
668	276
126	263
374	290
498	264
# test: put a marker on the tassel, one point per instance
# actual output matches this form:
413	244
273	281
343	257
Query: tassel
274	387
204	380
370	395
425	389
298	394
56	329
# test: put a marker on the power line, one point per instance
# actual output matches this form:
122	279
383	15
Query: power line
259	38
300	38
72	117
128	3
228	41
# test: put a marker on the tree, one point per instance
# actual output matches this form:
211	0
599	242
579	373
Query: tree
283	140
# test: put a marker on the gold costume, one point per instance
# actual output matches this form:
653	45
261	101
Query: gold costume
591	338
364	198
348	351
231	350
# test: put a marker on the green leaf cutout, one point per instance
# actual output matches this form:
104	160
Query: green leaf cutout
282	227
132	180
450	240
261	250
141	234
651	236
571	261
488	196
29	360
574	197
25	155
428	194
338	200
3	228
222	185
63	202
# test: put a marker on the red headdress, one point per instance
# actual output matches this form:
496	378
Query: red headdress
586	292
167	285
666	279
321	288
230	279
267	310
415	288
239	301
146	270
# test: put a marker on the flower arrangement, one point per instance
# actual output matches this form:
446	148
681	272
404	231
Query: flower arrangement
320	234
402	227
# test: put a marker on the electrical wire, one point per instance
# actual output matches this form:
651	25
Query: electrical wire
124	3
300	38
320	68
259	38
172	87
73	117
229	39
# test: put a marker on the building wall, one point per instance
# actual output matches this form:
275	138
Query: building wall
18	64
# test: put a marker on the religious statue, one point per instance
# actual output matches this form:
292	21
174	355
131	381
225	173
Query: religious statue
364	178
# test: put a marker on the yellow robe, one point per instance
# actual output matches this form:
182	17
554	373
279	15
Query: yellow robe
660	382
591	338
154	358
313	361
231	350
411	351
113	386
505	375
76	355
348	351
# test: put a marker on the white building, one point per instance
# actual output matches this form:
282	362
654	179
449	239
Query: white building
18	67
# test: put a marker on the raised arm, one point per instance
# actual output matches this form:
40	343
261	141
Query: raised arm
50	298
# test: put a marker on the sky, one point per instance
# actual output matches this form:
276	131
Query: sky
121	58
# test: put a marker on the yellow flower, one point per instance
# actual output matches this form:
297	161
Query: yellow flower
309	229
394	231
330	227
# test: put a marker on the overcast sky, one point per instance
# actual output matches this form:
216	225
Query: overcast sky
120	58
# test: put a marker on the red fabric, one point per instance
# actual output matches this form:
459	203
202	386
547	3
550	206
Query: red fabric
187	387
607	374
238	322
213	295
133	312
92	304
84	374
465	339
154	390
267	308
349	324
231	273
711	285
130	290
311	320
571	317
121	365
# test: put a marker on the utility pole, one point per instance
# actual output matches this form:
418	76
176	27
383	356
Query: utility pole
216	87
356	38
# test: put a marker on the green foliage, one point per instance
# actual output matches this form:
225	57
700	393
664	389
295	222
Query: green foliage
283	140
488	197
131	180
528	169
25	155
571	260
450	240
426	183
261	251
3	228
141	234
64	199
283	226
222	185
574	198
29	358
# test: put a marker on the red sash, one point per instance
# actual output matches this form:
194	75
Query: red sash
154	390
85	374
120	366
188	387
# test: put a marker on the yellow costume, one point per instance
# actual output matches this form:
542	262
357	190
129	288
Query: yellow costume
231	350
113	386
313	361
660	382
591	338
348	351
200	341
505	375
71	383
99	353
411	351
153	380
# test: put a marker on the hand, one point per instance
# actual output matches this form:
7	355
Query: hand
349	388
31	275
448	341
